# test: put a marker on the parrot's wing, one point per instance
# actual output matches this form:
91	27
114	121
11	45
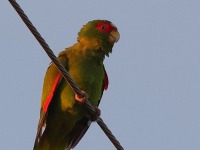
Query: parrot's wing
51	82
105	83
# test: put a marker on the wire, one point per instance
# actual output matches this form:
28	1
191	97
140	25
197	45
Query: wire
63	71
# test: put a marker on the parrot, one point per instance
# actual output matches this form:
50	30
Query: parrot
63	119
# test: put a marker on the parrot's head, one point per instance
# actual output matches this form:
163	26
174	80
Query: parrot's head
101	34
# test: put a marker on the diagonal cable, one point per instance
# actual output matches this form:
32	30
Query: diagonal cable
63	71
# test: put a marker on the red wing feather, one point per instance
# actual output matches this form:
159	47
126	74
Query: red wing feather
106	81
44	110
50	96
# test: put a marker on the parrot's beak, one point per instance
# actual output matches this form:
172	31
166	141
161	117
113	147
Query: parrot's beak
114	36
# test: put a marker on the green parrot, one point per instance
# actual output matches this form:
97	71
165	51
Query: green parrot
64	120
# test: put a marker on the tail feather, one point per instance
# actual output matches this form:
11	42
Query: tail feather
39	129
78	132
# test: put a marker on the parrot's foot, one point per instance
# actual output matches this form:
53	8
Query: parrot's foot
96	115
80	98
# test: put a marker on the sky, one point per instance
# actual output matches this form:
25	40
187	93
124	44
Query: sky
153	99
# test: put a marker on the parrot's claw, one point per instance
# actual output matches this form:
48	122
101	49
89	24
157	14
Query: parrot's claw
80	98
96	115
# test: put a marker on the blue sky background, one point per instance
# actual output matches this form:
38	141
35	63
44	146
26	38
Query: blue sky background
153	100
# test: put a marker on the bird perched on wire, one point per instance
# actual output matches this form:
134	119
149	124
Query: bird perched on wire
63	119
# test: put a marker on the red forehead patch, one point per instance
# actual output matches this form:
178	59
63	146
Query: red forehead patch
105	27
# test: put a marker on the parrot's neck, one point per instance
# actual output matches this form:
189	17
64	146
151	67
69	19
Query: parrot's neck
91	48
97	46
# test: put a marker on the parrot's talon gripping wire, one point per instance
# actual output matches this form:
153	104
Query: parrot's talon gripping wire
81	98
96	116
64	73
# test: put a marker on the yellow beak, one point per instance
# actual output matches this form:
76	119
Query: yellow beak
114	36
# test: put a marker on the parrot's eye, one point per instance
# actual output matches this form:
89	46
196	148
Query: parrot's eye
104	27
